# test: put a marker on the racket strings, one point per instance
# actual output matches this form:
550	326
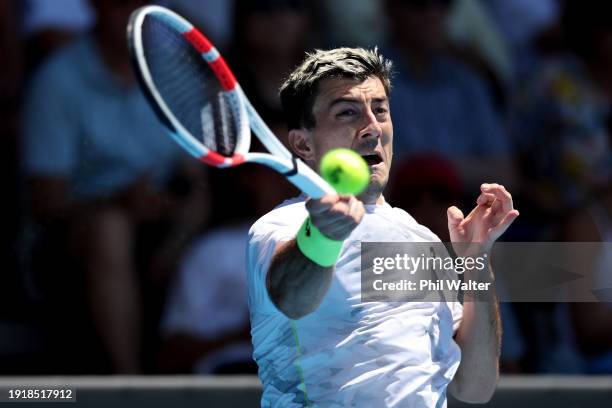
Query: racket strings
189	87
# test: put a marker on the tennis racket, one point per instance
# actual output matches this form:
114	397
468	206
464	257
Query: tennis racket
200	103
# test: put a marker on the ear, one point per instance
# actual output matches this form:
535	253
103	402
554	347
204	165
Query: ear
300	142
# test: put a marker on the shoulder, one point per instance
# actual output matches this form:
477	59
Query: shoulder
287	215
408	222
61	69
68	57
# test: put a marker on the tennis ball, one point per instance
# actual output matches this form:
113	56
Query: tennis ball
345	170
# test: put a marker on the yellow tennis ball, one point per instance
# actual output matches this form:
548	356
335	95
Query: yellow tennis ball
345	170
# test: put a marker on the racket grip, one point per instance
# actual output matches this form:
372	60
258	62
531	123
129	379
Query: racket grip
317	247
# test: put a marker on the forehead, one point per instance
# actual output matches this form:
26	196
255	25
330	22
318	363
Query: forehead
331	89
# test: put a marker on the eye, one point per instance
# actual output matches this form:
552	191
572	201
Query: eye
347	113
380	110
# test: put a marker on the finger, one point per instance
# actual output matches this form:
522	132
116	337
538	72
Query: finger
346	198
500	228
324	220
351	205
341	225
352	210
485	199
357	211
338	211
455	216
488	186
355	207
318	206
501	193
497	206
503	199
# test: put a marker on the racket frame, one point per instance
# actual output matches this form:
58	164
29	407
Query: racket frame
279	158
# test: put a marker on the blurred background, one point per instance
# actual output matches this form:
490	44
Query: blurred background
121	255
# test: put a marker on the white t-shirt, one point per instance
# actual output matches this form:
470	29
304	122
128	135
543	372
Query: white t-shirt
348	352
208	297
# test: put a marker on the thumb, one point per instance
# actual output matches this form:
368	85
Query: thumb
455	216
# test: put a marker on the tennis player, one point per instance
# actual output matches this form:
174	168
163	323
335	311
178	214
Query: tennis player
315	341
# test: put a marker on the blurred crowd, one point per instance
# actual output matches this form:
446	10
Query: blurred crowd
122	254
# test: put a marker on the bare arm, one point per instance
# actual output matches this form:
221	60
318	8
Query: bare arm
296	284
51	199
479	337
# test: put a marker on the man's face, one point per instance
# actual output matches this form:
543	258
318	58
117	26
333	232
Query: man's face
354	115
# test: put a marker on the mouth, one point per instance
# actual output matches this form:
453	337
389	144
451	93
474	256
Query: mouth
372	158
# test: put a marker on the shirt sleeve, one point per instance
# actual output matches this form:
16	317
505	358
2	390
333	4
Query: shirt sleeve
50	138
210	278
191	292
264	237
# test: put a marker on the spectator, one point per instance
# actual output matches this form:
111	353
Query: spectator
205	325
213	17
472	34
591	320
440	105
585	136
261	57
562	114
349	23
49	25
11	78
470	26
561	124
426	186
526	27
103	175
475	39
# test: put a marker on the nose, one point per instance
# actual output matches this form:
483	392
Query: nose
372	128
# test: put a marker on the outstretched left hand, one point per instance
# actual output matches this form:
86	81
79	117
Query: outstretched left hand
490	218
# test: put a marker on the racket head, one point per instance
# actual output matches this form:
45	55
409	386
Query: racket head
190	86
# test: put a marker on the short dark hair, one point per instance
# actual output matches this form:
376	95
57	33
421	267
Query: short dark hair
300	89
